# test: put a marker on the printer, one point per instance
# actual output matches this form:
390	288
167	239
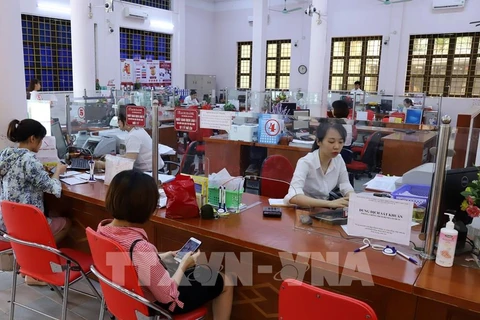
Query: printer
101	145
118	134
421	175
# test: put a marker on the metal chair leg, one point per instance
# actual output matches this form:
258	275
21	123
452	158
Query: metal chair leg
102	309
65	292
14	288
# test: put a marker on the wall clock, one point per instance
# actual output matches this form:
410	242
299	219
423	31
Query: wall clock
302	69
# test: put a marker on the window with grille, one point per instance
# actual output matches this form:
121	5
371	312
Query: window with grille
355	59
138	44
277	69
244	65
444	64
160	4
47	52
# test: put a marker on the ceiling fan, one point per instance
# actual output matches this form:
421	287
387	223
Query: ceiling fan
387	2
285	10
476	23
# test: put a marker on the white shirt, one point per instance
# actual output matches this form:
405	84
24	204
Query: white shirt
138	141
310	180
188	100
349	128
359	93
34	95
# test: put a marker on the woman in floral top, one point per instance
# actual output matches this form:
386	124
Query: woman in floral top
23	178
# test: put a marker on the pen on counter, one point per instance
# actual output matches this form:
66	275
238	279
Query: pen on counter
361	248
224	198
407	257
220	194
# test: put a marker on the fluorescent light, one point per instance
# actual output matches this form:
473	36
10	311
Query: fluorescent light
54	7
159	24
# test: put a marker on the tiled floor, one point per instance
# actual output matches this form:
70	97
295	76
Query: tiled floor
80	306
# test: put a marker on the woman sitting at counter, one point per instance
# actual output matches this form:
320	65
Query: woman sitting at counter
132	199
321	171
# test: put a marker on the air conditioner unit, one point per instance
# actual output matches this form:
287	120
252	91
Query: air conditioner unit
447	4
135	13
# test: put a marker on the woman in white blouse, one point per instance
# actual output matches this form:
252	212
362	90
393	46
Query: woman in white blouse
321	171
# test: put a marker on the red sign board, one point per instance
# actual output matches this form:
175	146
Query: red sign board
135	116
186	120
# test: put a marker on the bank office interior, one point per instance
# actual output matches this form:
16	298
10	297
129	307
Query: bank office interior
214	28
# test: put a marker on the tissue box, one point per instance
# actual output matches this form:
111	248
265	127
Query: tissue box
244	132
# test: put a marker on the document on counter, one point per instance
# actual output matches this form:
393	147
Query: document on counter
382	183
380	218
164	178
72	181
278	203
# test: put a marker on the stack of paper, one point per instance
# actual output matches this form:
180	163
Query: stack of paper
382	183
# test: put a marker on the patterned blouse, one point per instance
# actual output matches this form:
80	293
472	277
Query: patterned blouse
24	180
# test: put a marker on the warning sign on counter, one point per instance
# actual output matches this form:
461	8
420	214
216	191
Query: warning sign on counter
186	120
135	116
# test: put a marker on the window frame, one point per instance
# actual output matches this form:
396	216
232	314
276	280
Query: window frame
473	56
278	58
130	51
363	61
55	45
240	59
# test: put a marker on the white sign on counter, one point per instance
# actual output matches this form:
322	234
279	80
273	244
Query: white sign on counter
218	120
380	218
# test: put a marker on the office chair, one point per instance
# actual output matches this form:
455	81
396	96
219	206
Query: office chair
279	168
368	157
298	300
37	254
124	297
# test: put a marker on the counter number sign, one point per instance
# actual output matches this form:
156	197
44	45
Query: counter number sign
81	112
272	127
135	116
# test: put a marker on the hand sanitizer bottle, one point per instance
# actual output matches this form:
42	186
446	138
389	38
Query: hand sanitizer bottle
446	244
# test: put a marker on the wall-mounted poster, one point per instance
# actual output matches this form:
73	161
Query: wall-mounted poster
147	72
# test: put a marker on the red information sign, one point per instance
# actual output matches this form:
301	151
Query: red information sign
135	116
81	112
186	120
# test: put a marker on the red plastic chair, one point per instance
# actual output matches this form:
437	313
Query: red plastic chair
368	157
275	167
298	300
36	252
370	115
125	300
386	119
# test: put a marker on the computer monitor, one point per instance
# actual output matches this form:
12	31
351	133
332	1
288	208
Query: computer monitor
94	113
290	107
456	180
386	105
414	116
61	145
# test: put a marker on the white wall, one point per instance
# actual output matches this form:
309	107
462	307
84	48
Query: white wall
200	41
231	26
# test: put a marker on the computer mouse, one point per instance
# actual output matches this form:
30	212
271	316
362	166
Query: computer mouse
305	219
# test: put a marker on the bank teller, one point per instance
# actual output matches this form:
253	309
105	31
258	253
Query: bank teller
321	171
191	99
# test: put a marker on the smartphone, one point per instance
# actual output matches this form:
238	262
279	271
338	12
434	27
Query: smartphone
190	246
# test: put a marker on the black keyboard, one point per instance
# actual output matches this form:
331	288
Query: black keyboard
79	164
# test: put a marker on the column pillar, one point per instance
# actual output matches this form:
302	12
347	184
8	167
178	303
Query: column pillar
317	99
179	45
14	103
83	48
260	12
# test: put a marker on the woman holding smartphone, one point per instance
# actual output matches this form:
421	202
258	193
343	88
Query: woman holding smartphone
132	199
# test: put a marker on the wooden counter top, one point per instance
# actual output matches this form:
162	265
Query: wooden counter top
437	293
371	129
419	136
223	138
458	286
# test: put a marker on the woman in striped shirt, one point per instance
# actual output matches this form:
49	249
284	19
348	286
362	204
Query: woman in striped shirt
132	199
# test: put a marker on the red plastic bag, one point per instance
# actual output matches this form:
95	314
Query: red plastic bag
181	198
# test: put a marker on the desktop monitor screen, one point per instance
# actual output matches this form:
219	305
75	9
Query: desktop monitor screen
61	145
414	116
456	180
290	107
386	105
94	113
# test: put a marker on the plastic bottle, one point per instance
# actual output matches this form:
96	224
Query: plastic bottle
446	244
